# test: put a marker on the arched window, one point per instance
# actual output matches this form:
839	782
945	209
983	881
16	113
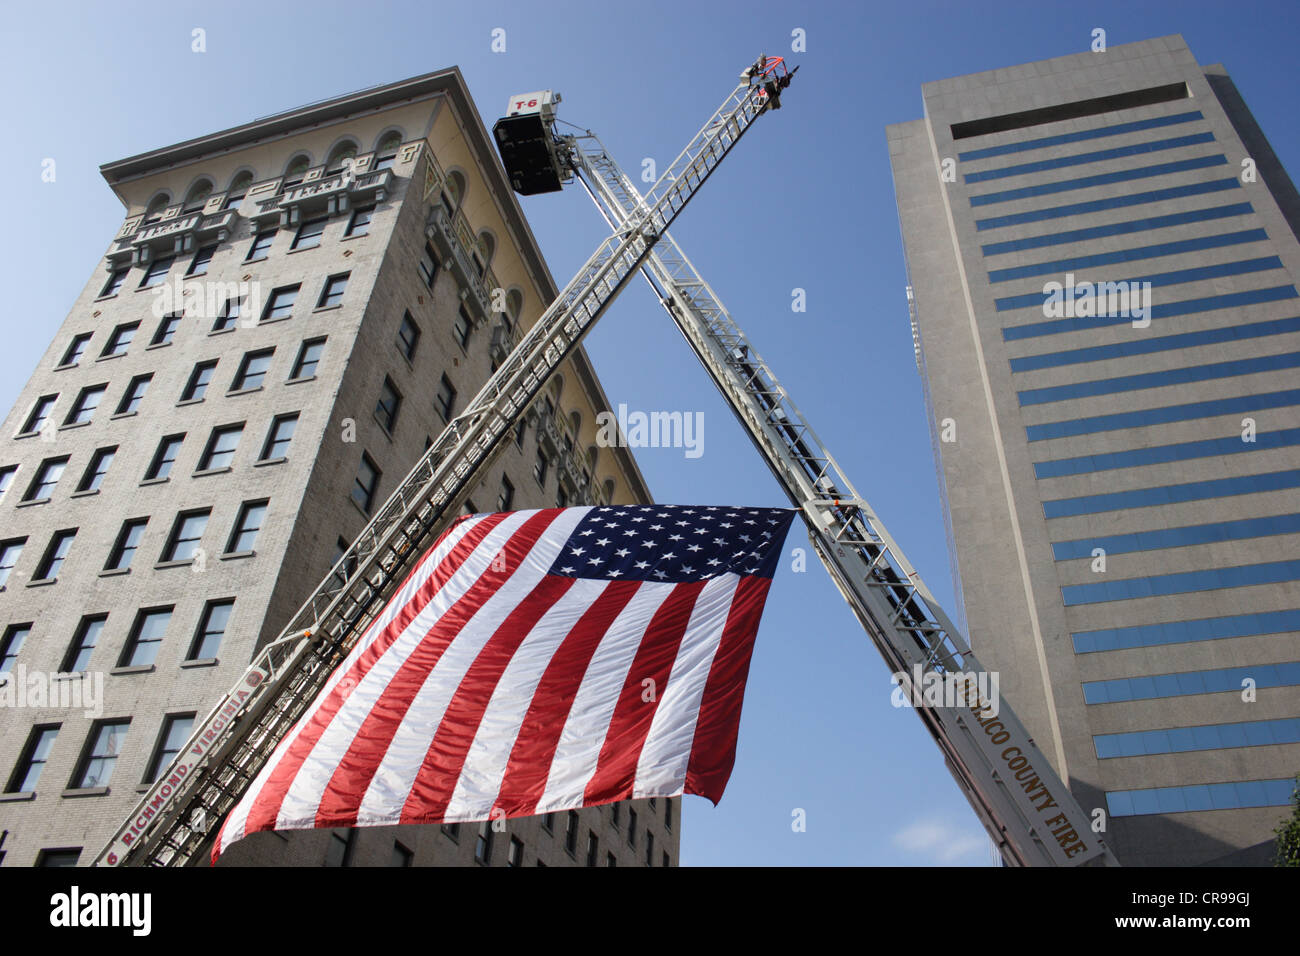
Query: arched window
294	172
342	154
514	306
609	490
156	205
487	247
238	189
197	196
386	151
453	192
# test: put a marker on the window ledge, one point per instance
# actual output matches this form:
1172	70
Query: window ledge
299	381
113	418
156	345
382	427
25	435
132	669
269	461
153	481
358	235
200	662
188	401
144	788
356	504
85	792
243	391
64	368
204	472
271	320
236	555
84	494
70	675
326	308
113	572
69	425
258	259
173	564
406	358
115	355
229	328
105	298
302	249
17	797
34	501
43	582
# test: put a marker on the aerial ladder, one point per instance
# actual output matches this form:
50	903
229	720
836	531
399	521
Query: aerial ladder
178	815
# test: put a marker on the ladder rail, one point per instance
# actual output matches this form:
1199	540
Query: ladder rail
174	819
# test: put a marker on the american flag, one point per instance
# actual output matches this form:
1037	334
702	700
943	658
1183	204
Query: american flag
536	661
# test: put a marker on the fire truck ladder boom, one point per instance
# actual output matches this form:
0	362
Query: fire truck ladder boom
177	816
895	607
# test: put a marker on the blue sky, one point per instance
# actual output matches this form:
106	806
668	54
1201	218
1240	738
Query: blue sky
805	202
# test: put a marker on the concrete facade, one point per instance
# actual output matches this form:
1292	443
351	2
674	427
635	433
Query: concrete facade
424	172
1168	617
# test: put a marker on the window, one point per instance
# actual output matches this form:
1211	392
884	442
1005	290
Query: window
309	233
221	447
252	370
366	484
668	814
76	349
10	552
176	731
294	172
157	271
133	395
571	832
348	567
7	478
593	848
211	629
153	212
231	309
278	438
402	856
120	340
12	642
667	862
521	429
507	496
445	400
83	409
387	150
339	851
261	246
77	660
146	635
614	813
47	476
127	543
390	400
515	855
342	157
304	366
452	830
114	283
68	857
462	327
332	294
483	845
202	259
52	560
33	760
408	336
631	827
166	330
561	498
359	225
244	535
40	414
548	822
198	196
164	457
197	385
280	305
428	265
104	745
238	190
649	848
185	536
540	467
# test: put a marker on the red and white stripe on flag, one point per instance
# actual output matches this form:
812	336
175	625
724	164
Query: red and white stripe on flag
535	661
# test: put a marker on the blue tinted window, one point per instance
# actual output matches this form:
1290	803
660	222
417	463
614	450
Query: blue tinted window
1036	298
1184	582
1118	228
1111	202
1104	179
1255	733
1175	376
1172	494
1129	255
1115	129
1186	307
1162	343
1182	632
1206	796
1215	681
1160	454
1178	537
1097	156
1160	416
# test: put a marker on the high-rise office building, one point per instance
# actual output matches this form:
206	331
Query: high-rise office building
290	312
1120	462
